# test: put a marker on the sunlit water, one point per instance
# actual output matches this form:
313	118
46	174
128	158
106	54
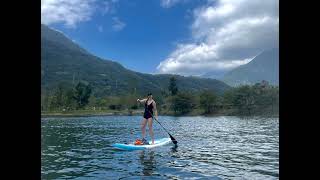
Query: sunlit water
208	148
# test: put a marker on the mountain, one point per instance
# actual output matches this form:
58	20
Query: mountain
265	66
64	62
213	75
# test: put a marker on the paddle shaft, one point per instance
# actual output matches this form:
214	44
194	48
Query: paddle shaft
171	137
161	125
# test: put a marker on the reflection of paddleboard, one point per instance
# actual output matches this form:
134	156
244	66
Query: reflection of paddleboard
157	142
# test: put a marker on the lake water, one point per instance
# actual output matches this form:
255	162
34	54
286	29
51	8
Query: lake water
208	148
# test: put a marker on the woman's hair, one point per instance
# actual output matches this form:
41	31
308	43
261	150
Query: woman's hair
149	94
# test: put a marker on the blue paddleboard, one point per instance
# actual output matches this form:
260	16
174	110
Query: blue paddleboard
157	143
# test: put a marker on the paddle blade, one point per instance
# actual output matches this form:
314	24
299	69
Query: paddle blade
173	140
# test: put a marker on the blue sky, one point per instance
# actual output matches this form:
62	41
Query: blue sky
187	37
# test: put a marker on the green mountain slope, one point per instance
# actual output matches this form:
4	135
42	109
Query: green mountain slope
63	61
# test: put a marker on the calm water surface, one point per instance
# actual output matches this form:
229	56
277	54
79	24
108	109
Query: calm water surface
208	148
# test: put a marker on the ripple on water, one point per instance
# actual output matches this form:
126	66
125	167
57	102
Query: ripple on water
208	148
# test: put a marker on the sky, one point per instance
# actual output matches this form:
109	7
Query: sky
186	37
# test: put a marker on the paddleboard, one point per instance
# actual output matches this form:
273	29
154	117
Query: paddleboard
131	146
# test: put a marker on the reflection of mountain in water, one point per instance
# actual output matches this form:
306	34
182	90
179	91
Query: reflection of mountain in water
148	162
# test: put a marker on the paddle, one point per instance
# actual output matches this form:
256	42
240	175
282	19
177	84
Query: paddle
171	137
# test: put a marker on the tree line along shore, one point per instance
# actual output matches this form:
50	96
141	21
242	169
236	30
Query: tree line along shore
246	100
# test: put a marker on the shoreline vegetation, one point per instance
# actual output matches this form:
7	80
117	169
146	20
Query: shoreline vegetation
85	113
260	99
89	113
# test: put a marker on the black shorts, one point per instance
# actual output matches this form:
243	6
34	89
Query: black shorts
147	115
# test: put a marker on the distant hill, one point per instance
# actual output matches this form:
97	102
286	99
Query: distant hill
265	66
213	75
64	62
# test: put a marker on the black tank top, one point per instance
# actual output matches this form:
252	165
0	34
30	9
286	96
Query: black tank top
149	107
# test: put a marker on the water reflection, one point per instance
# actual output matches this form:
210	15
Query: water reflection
174	148
148	162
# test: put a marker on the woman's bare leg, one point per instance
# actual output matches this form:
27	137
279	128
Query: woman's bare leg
150	129
143	127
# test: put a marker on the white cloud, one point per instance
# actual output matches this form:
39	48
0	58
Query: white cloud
72	12
226	34
193	59
108	7
171	3
168	3
117	24
69	12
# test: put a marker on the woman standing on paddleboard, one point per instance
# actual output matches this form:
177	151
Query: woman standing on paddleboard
149	108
